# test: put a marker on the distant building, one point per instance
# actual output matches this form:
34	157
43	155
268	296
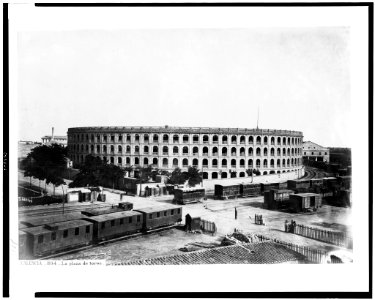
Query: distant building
58	139
315	152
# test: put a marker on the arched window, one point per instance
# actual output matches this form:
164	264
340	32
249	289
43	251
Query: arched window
215	151
233	163
165	150
242	174
214	163
292	151
278	163
242	139
284	141
185	150
234	139
119	160
272	163
214	175
205	151
283	163
278	152
165	138
258	163
176	138
272	152
145	149
251	140
284	152
205	163
155	150
175	162
242	163
215	139
288	152
224	163
258	152
272	141
185	162
145	161
250	151
136	161
233	174
136	149
155	138
82	147
279	140
224	175
165	162
265	152
250	163
233	151
104	149
119	149
265	173
112	148
127	149
205	175
195	139
224	151
288	162
242	151
92	148
195	162
128	137
288	141
146	138
258	140
112	160
205	139
175	150
155	161
137	137
128	160
265	140
265	163
224	139
185	138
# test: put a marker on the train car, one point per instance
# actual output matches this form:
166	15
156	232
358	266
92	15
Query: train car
122	206
299	184
224	192
189	195
305	202
56	237
265	187
159	216
250	189
42	220
116	224
276	199
316	182
330	182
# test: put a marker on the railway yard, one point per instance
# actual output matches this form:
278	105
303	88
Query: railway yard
228	215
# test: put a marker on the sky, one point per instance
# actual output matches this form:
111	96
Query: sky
298	78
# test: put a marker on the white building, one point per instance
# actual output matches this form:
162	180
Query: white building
313	151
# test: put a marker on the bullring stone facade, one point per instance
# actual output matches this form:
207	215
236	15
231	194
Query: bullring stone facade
217	152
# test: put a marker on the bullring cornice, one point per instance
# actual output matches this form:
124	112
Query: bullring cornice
187	130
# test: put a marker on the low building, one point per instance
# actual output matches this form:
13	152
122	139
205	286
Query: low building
55	139
315	152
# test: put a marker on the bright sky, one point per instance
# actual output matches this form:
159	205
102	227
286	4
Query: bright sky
298	77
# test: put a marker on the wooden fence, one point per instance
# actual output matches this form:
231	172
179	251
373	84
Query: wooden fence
208	226
312	255
337	238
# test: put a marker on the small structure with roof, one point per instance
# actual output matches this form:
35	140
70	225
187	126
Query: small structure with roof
161	215
305	201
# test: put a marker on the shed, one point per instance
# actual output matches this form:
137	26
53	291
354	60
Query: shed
192	223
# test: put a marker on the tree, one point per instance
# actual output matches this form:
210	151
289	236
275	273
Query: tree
194	177
177	177
47	162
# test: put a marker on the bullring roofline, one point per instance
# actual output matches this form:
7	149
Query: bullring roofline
174	129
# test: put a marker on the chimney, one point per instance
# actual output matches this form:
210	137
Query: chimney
52	138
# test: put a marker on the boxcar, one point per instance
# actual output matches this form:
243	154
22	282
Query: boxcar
51	238
116	224
227	191
275	199
186	196
250	189
330	182
42	220
305	201
299	184
265	187
159	216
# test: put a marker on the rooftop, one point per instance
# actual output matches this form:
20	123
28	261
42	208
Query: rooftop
152	209
114	216
306	195
36	221
173	129
256	253
36	230
69	224
60	137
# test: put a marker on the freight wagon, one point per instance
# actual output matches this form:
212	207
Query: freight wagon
277	199
250	189
224	192
299	184
159	216
189	195
305	202
265	187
